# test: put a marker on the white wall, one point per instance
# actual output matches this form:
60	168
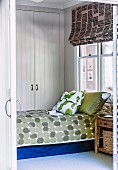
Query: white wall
70	81
69	51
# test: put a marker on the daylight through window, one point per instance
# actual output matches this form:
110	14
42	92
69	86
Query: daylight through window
96	67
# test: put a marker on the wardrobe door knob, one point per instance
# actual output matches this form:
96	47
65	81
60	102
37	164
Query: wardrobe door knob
36	87
31	87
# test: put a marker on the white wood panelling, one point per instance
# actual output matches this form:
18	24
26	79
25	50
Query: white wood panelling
18	61
25	59
29	59
40	58
47	59
40	34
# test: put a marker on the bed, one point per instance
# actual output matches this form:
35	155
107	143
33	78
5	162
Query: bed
39	133
70	129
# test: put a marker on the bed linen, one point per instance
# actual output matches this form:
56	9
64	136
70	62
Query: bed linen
37	127
40	128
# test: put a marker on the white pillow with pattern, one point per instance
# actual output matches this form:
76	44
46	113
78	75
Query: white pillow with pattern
66	95
77	98
69	102
73	96
66	107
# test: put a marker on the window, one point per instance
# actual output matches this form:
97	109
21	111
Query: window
88	50
96	67
88	74
107	74
107	47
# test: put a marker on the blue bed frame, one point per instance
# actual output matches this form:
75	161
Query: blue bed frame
54	149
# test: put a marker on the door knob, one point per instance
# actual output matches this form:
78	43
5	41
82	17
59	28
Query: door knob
36	87
32	87
9	115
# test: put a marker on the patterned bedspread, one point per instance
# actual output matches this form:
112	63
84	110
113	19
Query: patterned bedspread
38	128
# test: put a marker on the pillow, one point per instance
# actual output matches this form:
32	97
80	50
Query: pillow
66	107
54	108
92	102
73	96
77	97
69	102
67	95
105	96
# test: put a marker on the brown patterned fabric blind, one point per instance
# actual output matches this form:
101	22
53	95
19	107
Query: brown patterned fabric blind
92	23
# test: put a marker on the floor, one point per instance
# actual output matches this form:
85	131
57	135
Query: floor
77	161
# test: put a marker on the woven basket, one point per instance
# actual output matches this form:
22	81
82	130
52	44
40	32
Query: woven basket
108	140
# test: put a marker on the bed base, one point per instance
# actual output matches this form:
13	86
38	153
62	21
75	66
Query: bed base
54	149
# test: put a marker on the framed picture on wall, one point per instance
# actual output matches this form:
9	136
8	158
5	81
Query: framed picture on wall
90	63
90	75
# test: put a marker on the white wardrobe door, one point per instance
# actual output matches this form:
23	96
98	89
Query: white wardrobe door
47	59
25	59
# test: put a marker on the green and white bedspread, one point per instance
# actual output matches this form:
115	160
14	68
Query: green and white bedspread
39	128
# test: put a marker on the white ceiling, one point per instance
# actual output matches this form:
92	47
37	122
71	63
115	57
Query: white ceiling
61	4
57	1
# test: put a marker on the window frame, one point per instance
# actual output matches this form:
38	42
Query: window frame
100	70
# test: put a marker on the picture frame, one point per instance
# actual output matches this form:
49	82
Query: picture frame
90	64
90	75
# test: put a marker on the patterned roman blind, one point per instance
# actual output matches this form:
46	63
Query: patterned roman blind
92	23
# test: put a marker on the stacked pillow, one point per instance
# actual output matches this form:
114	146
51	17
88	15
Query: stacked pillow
89	102
69	102
93	102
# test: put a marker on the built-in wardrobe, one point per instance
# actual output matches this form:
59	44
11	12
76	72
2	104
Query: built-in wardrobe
40	57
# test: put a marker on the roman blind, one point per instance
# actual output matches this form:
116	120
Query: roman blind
92	23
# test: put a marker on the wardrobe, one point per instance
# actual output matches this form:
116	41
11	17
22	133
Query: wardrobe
40	57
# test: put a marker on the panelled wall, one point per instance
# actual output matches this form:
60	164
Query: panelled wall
40	57
25	58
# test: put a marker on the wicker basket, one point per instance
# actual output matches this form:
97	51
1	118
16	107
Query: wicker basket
108	140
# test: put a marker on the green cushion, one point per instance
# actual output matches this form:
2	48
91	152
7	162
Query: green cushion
92	102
